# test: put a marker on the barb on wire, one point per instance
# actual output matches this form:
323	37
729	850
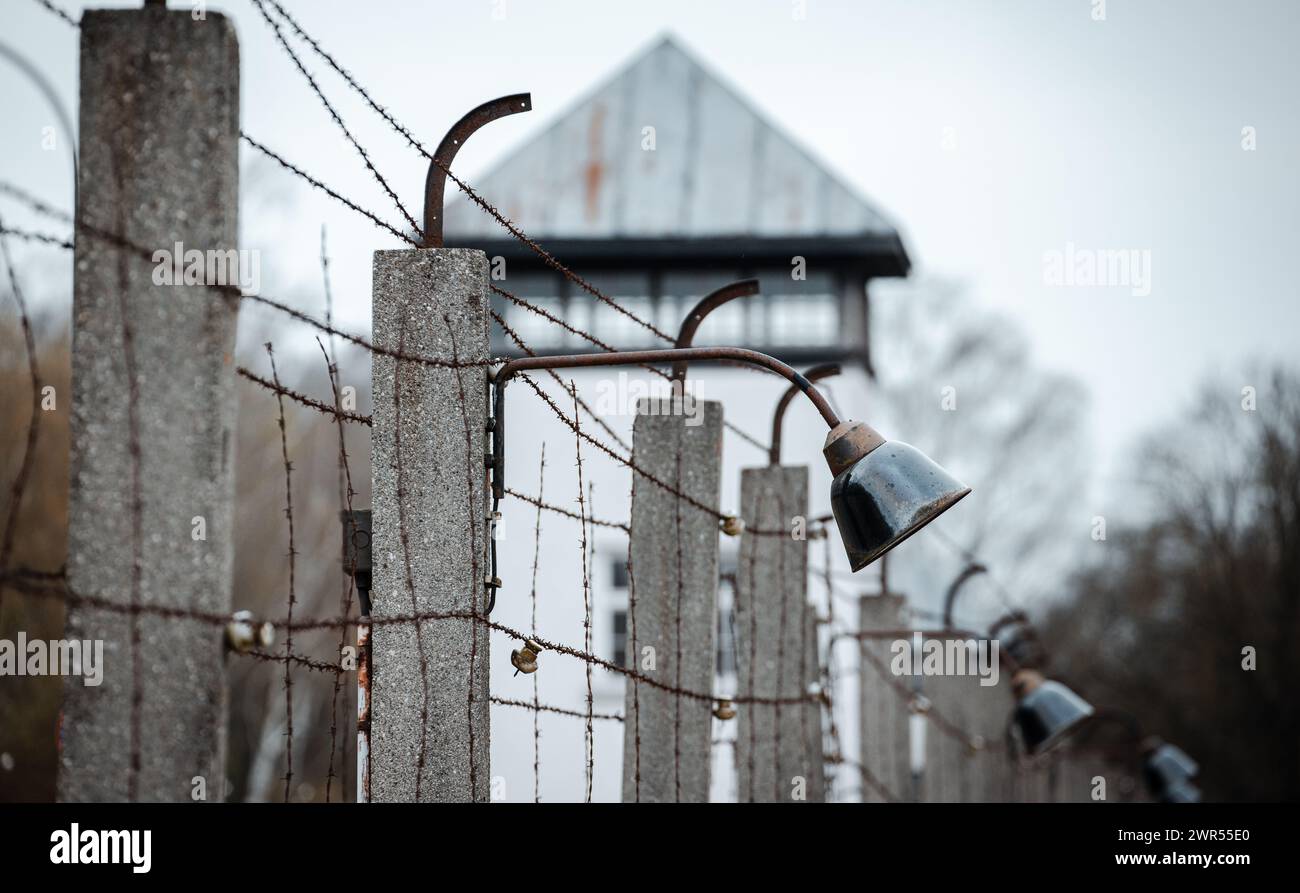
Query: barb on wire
562	711
34	203
346	495
293	563
60	12
560	510
532	599
341	415
19	485
586	590
319	666
591	414
299	172
311	81
42	238
678	492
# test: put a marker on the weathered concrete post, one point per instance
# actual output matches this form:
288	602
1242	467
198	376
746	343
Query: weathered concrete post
672	623
988	709
884	733
948	775
778	746
429	680
150	513
974	768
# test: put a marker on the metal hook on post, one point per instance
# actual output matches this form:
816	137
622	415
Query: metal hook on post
1024	648
435	184
712	301
816	373
971	570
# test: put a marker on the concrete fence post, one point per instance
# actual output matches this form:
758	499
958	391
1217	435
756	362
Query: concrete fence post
428	702
150	514
778	746
990	711
884	716
948	776
1034	780
672	611
975	767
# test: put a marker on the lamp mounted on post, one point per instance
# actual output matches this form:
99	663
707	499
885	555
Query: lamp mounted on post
883	491
1047	711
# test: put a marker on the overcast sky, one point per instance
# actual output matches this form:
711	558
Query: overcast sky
990	132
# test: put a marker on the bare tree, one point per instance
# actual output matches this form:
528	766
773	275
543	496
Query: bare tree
961	384
1191	621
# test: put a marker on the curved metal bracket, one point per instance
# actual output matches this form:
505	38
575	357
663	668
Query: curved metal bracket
816	373
1019	620
435	184
710	302
1012	618
504	373
949	600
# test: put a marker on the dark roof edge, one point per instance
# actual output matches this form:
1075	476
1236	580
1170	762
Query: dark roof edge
879	255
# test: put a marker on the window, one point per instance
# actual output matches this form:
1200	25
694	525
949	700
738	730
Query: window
632	292
618	637
726	655
801	312
726	641
803	320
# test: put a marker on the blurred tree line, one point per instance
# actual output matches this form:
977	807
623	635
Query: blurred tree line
29	706
1191	621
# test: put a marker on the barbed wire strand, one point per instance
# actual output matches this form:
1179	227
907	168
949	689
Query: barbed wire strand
19	486
532	599
589	739
346	496
54	584
464	187
60	12
311	81
293	563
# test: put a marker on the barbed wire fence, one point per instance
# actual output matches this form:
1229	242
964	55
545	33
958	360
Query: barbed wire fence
820	648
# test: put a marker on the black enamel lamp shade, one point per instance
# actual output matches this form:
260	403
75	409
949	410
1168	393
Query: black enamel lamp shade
883	491
1169	772
887	494
1048	711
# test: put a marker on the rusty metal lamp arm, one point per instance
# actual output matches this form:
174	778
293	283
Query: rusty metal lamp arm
950	599
710	302
633	358
435	183
816	373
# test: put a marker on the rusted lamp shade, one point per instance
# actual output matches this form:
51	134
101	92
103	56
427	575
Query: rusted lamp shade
1169	772
1047	711
884	491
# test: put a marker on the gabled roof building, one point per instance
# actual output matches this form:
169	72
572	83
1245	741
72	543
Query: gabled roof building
662	185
